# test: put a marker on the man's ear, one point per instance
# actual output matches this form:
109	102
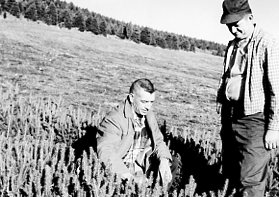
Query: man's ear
131	97
251	17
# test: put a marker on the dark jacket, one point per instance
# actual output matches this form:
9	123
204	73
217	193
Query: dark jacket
116	133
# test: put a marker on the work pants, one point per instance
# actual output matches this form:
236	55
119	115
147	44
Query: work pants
245	159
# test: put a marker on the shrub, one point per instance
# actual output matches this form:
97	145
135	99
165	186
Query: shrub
39	155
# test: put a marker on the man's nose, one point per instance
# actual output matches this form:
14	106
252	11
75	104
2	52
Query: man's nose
148	105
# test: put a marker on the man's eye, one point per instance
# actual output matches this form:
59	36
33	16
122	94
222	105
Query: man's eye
145	102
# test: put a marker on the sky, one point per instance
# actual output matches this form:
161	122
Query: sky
194	18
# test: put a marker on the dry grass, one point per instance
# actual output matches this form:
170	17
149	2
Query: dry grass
95	71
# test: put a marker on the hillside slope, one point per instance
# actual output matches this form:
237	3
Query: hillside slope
95	71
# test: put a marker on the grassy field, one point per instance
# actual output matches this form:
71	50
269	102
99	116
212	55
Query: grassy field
95	72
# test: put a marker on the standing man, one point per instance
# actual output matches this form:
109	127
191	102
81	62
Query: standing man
129	138
248	100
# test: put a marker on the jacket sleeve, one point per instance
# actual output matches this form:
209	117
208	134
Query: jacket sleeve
161	148
109	136
272	61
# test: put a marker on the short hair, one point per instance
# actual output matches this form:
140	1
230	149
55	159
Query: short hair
146	84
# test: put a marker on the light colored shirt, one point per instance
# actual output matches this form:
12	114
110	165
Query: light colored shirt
236	71
140	146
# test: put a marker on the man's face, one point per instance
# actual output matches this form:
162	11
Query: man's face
142	101
243	28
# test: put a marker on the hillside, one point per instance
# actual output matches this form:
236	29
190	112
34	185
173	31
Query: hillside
68	15
96	71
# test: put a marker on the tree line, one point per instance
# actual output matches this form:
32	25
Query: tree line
67	15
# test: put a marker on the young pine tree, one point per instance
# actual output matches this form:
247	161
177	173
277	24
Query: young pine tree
79	21
136	35
52	13
95	26
103	28
31	12
3	5
67	19
41	10
9	4
15	11
145	36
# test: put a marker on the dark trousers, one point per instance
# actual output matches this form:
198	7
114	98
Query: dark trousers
245	159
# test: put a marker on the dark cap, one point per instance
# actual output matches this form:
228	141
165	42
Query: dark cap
234	10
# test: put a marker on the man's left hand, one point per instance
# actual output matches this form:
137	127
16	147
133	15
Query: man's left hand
165	171
271	139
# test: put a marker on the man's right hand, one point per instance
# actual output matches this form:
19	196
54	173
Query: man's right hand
140	179
137	179
127	176
271	139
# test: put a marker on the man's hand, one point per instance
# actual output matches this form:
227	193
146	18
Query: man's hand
271	139
165	171
140	180
126	176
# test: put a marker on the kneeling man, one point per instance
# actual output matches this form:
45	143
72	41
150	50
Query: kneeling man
130	140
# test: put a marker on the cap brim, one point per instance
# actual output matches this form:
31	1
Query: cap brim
231	18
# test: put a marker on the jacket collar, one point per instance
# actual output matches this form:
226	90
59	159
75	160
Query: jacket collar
255	33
